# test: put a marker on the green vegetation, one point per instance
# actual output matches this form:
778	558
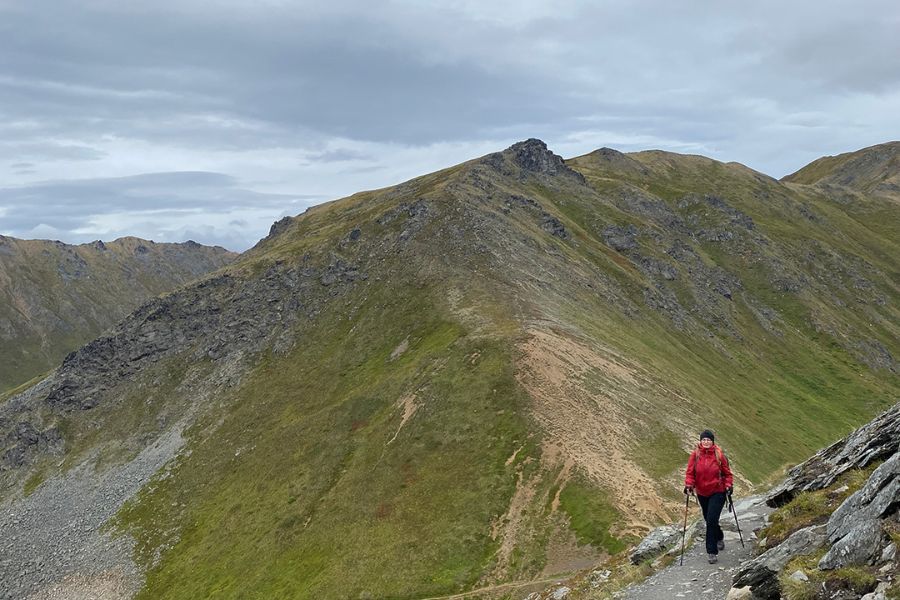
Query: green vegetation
660	453
311	484
37	477
591	515
57	297
812	508
856	580
382	455
347	462
20	388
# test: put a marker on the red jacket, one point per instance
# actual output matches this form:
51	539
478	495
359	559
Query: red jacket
708	473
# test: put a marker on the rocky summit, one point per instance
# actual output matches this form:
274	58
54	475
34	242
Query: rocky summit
473	381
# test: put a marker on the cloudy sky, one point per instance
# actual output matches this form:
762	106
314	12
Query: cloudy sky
210	119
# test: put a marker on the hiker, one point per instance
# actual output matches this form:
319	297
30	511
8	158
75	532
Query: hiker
710	477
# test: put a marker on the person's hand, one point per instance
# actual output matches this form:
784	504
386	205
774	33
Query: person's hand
688	489
729	491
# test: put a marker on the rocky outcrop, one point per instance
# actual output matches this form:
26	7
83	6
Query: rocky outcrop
761	573
55	297
24	440
655	543
531	157
857	532
855	528
216	319
874	441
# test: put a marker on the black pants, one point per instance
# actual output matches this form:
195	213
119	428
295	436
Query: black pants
712	509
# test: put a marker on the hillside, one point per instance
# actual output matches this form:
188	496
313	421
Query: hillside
490	373
54	297
873	170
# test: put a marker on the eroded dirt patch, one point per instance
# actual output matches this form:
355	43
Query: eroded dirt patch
589	402
408	405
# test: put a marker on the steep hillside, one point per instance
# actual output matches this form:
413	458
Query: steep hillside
488	374
55	297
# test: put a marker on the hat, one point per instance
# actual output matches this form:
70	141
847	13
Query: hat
707	434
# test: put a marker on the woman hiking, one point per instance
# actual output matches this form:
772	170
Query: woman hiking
710	477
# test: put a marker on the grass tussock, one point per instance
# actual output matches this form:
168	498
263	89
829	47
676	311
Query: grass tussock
813	508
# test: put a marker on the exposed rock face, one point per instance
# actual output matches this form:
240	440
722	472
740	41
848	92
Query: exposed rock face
531	157
855	528
25	440
216	319
877	440
468	256
875	500
861	546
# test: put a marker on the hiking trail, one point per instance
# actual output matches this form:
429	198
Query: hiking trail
697	578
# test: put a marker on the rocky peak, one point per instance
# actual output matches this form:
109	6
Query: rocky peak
530	157
533	155
279	226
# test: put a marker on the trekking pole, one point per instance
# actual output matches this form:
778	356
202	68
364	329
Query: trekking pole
734	512
687	502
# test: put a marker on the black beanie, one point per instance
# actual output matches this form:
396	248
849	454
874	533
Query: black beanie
707	434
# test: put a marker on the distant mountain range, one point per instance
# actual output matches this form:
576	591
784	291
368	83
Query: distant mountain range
493	373
55	297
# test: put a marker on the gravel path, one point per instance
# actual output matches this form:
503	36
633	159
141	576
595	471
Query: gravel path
51	542
697	578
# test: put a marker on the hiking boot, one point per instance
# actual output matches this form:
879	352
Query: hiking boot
720	544
713	559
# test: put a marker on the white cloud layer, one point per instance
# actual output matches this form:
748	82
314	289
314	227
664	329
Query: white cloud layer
212	119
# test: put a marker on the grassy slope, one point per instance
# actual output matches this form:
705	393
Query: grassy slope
862	170
317	503
298	492
762	394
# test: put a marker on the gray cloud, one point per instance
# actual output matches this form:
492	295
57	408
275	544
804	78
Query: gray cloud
300	100
338	155
151	204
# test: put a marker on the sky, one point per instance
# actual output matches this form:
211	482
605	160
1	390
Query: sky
211	119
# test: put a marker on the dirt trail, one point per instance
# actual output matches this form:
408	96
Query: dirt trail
498	588
697	578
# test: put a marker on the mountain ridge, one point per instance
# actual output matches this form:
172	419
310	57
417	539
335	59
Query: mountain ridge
57	296
871	170
484	374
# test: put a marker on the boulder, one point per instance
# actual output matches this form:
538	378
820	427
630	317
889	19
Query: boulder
879	495
656	542
861	546
871	442
741	593
761	573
